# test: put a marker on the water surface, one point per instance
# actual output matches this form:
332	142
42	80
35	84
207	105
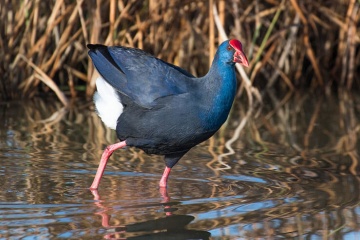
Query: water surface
287	170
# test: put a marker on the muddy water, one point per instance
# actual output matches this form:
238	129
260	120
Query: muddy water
287	170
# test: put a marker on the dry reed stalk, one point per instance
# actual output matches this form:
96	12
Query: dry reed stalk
222	14
82	19
211	32
94	38
352	17
47	80
110	38
283	75
309	51
285	54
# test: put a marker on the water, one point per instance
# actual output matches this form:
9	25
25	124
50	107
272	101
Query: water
287	170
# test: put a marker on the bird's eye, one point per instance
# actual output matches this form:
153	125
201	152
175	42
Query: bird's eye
229	47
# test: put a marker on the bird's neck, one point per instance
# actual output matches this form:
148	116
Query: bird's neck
220	88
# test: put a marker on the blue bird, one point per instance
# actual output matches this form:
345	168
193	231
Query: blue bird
159	107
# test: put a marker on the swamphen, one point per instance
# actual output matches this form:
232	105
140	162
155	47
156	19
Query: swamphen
159	107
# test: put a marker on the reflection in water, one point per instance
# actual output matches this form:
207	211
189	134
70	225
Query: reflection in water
294	173
172	226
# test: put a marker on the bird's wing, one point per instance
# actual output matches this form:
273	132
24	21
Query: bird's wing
138	75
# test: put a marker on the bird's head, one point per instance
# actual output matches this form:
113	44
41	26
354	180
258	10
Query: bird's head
232	51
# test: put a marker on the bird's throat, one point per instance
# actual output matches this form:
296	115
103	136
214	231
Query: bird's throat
220	96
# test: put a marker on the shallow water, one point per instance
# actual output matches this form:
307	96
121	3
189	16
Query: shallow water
291	171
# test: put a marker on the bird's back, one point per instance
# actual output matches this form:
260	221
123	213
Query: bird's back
138	75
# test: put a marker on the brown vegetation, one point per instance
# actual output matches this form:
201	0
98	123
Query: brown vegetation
291	44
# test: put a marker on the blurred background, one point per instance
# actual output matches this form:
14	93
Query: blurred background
285	164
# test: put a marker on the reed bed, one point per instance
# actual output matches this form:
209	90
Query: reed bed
291	44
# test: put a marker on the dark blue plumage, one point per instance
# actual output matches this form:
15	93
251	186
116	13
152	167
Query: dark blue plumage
137	74
164	109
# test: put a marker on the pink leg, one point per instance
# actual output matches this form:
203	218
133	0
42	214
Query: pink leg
104	158
164	178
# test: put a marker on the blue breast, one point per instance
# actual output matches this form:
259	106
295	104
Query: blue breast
220	95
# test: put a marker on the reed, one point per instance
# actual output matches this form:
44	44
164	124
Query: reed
291	44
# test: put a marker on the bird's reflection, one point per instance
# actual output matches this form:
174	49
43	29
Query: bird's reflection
172	226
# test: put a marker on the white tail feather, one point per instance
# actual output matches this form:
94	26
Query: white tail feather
107	103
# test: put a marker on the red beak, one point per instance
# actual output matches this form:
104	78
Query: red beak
239	55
